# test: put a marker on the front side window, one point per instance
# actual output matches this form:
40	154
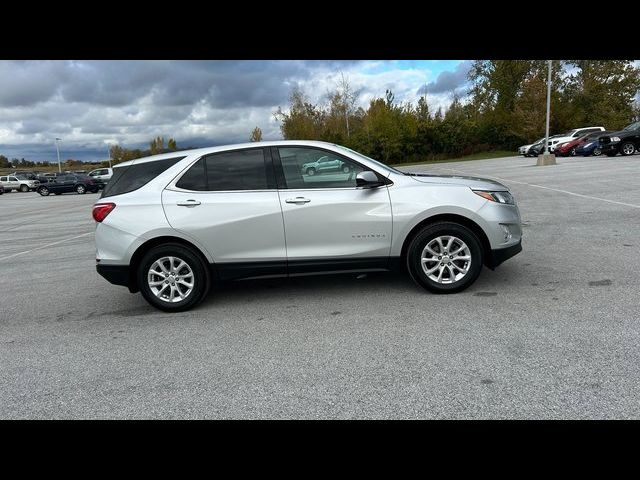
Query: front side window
313	168
227	171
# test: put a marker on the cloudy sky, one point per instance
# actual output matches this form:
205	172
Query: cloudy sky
89	104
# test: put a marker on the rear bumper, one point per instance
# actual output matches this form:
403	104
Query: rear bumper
117	275
500	255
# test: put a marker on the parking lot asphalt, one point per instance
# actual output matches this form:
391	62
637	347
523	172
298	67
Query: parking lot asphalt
552	333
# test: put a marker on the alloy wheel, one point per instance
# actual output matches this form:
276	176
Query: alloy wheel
170	279
446	259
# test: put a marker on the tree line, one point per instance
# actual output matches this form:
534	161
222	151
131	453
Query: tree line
505	107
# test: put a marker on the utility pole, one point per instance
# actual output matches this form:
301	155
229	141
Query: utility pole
546	138
547	158
58	152
109	154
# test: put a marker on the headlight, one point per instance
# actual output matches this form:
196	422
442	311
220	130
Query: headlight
615	139
564	144
500	197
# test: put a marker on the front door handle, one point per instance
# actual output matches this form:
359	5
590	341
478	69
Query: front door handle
189	203
297	200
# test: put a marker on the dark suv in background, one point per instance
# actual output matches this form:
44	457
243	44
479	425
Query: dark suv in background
625	142
67	183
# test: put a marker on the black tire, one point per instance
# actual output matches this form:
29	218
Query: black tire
201	277
627	148
596	152
426	235
311	171
572	152
346	169
24	188
611	154
44	191
81	189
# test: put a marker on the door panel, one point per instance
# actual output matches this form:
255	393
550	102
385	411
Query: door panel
337	223
242	226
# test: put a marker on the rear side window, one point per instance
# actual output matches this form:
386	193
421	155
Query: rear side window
128	179
236	170
195	178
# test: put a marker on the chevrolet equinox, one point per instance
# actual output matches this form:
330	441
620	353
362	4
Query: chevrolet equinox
170	225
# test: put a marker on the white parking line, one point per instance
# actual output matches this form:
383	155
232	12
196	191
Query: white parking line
45	246
546	188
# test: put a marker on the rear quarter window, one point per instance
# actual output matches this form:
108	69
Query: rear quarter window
128	179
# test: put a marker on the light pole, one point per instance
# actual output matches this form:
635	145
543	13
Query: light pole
546	157
109	154
546	138
58	152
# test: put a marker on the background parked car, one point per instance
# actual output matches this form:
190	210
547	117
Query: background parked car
570	148
591	147
625	141
524	149
103	174
1	189
68	183
11	182
572	135
538	148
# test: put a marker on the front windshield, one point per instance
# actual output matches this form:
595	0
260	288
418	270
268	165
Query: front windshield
633	126
380	164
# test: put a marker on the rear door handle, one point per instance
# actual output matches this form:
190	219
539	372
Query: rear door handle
189	203
297	200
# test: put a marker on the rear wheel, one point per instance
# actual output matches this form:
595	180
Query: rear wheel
572	152
81	189
445	257
173	278
24	188
627	148
597	152
311	171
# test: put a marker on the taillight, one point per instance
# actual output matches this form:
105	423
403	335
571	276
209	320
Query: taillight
101	210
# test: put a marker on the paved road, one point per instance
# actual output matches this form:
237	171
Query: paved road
553	333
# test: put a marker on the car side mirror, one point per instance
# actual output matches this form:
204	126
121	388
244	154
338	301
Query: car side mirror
367	179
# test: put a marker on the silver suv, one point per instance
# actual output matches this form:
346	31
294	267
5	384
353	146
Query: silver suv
171	225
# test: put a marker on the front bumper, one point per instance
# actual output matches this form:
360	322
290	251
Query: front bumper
610	147
499	255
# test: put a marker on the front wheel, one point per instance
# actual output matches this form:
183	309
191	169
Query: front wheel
572	152
597	152
445	257
44	191
173	278
311	171
627	148
81	189
24	188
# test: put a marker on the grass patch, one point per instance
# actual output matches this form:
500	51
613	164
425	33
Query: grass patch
475	156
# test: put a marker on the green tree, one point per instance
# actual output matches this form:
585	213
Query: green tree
601	92
256	135
157	145
303	121
171	144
